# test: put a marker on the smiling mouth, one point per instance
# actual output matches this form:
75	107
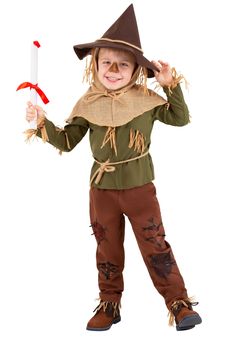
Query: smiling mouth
112	79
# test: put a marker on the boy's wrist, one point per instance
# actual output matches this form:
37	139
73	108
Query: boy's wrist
176	80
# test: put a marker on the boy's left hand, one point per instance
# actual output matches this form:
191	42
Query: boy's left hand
164	76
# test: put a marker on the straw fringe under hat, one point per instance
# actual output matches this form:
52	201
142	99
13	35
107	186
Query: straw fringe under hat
123	34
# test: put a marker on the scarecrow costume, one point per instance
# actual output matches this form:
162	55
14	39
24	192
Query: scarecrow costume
120	123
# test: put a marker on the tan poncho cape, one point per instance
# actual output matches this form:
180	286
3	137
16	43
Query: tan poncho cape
114	108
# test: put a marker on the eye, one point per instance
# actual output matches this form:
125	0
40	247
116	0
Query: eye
124	65
106	62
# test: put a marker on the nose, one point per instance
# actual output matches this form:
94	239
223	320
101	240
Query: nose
114	68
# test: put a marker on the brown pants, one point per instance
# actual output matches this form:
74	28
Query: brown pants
140	205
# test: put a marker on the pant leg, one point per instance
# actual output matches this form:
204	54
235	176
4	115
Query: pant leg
142	208
108	224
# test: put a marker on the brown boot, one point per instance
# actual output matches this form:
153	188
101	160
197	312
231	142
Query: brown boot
107	313
185	318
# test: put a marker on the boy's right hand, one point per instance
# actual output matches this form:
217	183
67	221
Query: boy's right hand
33	112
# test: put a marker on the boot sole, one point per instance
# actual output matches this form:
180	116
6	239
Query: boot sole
188	322
116	320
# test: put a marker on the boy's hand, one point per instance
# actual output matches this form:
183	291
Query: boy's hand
164	76
33	112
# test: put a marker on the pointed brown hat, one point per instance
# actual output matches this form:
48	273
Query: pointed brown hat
123	34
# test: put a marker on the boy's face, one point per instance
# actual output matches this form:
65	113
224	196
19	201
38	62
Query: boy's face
115	68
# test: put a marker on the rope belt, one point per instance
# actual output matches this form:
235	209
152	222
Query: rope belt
110	167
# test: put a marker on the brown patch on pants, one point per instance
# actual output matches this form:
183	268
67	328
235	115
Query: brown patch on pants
140	205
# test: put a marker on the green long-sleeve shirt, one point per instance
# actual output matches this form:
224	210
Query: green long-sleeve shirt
131	174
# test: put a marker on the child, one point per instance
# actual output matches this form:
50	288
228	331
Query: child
119	111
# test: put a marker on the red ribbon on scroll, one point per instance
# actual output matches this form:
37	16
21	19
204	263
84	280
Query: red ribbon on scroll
36	88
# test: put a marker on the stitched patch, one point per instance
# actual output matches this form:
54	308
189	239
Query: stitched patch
162	264
107	269
154	233
99	231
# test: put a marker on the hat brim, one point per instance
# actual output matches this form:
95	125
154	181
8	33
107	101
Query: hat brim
82	50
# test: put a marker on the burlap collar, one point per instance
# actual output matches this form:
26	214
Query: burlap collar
115	108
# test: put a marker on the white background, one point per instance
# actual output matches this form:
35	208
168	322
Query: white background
48	278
